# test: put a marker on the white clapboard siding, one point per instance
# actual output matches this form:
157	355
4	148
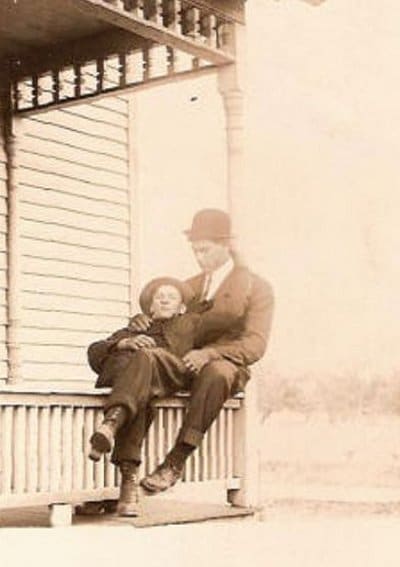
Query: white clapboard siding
98	176
73	139
3	260
51	181
61	199
75	305
70	219
53	319
68	153
75	236
42	248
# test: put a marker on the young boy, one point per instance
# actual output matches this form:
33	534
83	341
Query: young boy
165	300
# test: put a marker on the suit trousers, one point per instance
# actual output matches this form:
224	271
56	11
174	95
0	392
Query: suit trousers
150	374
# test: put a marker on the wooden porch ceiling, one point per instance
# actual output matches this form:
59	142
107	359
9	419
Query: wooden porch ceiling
48	44
27	26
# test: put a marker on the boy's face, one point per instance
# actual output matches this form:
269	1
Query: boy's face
167	302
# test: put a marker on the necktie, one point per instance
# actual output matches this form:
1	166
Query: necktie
206	287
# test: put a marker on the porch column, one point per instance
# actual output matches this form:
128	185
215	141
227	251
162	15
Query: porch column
11	139
231	84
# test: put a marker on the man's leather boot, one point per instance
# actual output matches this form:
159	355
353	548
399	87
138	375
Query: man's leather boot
163	477
129	496
102	439
170	471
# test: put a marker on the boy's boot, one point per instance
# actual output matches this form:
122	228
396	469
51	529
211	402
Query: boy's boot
102	439
129	496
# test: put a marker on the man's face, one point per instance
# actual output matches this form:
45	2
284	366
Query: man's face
167	302
210	255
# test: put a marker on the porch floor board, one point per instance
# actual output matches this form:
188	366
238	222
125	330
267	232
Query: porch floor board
155	513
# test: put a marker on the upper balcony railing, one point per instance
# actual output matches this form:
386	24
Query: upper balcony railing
142	40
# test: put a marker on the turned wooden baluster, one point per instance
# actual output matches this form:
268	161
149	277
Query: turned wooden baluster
154	10
191	23
146	64
35	91
100	75
173	15
122	69
77	80
209	29
224	35
135	7
116	3
173	19
55	85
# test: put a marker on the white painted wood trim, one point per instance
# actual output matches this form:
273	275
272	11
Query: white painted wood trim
134	204
14	255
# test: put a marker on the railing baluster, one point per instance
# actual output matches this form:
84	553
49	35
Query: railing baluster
160	435
229	443
135	7
78	448
221	445
7	433
32	450
100	75
209	29
67	449
56	85
88	464
151	460
55	448
122	64
99	466
213	450
19	449
44	448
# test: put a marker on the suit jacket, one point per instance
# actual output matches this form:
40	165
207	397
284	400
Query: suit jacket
238	324
106	360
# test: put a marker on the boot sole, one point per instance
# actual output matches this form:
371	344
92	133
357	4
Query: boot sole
127	513
100	443
151	489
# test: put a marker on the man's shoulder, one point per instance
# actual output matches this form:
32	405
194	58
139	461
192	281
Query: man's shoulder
261	283
255	281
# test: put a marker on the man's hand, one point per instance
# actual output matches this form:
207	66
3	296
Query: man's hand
139	322
136	343
195	360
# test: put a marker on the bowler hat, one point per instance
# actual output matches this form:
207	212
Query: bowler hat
210	224
147	293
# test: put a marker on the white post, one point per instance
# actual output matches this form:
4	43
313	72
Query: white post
60	515
247	445
134	205
11	127
231	83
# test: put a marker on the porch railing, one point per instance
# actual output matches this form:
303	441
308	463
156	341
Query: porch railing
44	440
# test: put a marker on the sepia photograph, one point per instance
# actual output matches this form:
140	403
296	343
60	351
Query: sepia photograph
199	322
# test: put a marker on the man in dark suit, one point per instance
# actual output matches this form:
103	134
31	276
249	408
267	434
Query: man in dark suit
242	302
236	309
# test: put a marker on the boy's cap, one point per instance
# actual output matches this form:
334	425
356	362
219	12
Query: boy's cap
146	296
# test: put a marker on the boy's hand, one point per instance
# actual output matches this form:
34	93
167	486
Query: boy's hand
139	322
136	343
195	360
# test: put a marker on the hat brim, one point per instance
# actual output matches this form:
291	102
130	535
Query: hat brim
146	295
193	235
